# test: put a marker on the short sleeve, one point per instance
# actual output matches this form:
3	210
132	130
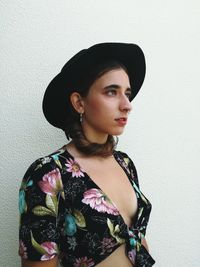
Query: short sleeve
40	196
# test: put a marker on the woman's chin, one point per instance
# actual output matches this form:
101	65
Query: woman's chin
118	132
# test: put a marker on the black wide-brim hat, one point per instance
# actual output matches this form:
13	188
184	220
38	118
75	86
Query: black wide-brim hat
56	105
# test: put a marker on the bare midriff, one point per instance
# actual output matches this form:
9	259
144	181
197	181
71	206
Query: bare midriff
117	259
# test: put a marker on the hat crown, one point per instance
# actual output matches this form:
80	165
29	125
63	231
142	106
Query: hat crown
73	60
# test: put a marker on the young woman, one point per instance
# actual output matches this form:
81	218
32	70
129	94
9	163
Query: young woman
82	205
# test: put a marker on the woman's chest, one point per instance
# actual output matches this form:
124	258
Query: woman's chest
112	181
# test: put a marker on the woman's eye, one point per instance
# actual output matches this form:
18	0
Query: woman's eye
128	95
111	92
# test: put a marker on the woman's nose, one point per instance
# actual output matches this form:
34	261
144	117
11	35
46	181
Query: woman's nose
125	104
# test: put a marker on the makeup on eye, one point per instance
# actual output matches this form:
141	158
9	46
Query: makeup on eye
112	90
128	94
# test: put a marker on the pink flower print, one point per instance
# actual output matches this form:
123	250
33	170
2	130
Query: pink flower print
51	250
22	250
51	183
132	255
74	167
99	201
84	262
107	245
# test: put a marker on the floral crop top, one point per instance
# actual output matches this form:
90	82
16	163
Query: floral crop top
63	212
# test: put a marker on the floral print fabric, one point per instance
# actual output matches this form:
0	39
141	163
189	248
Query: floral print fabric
63	212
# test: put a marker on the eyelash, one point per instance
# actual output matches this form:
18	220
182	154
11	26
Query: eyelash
128	94
111	91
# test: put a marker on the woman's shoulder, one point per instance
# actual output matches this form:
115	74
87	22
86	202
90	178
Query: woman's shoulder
123	156
45	164
128	164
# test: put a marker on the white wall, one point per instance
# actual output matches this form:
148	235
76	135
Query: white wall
37	37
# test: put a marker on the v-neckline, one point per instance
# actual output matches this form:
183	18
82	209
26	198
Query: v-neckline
98	187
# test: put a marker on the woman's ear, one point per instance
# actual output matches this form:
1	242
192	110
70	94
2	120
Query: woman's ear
77	102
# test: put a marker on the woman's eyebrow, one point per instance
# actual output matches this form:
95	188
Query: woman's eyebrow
116	86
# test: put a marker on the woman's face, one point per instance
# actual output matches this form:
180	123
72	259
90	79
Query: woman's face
106	106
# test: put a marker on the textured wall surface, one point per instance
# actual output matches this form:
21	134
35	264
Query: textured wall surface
163	132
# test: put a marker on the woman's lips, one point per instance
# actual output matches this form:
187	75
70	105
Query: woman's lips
121	121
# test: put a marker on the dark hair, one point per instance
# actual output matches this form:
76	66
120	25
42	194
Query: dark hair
73	128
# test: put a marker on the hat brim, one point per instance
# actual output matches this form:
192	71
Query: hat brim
56	97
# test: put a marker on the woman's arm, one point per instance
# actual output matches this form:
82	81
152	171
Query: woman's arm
38	231
49	263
